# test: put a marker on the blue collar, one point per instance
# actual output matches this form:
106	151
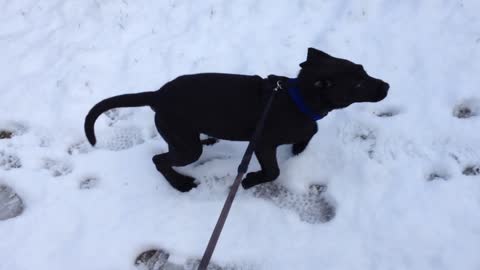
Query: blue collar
294	93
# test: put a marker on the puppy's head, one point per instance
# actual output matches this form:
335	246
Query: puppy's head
330	83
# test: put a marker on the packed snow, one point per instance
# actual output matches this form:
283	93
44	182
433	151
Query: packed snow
402	176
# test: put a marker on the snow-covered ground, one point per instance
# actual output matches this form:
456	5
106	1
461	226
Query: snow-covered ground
403	174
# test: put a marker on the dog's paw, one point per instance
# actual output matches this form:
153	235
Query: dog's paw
254	178
298	148
183	183
157	159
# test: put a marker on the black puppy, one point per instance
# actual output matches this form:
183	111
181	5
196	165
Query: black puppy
227	107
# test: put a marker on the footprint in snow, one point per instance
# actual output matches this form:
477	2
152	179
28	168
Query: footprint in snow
368	138
154	259
11	205
437	175
388	112
9	161
6	134
10	130
115	115
157	259
88	183
467	109
471	170
120	138
312	207
81	147
56	167
204	161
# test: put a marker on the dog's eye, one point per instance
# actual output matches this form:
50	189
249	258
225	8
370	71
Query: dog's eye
323	84
318	84
359	84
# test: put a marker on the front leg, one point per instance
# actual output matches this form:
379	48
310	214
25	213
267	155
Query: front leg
267	157
298	147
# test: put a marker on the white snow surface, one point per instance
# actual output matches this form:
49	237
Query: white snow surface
402	201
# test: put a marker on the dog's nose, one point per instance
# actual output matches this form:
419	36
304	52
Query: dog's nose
382	91
385	86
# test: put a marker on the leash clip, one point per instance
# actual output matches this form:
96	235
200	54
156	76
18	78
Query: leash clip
279	86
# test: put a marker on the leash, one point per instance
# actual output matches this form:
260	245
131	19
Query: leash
242	169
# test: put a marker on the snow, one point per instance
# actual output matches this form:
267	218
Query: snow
401	199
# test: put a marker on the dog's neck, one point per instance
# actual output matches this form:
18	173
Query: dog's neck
291	86
296	96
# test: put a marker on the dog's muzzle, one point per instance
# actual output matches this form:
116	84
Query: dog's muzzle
381	91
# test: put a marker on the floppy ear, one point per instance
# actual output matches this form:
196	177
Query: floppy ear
315	57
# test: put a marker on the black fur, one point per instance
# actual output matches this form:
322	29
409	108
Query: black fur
227	107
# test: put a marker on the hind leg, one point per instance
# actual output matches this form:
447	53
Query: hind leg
184	147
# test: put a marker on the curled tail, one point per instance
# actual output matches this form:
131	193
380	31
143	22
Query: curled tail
128	100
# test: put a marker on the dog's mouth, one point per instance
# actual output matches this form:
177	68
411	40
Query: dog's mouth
374	91
366	93
338	104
